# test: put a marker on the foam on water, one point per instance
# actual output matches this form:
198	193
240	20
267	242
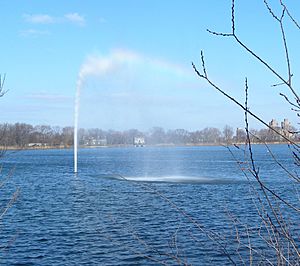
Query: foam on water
172	179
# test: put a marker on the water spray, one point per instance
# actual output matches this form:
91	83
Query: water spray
76	113
97	66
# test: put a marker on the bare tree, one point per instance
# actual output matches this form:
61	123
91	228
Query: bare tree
276	229
4	178
227	134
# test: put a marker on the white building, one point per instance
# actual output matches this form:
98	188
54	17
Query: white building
139	141
95	142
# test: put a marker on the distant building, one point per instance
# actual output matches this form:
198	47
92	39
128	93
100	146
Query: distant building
285	129
274	124
95	142
37	144
139	141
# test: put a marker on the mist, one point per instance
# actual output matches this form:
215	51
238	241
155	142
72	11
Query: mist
123	89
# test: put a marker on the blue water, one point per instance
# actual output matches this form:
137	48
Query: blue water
116	210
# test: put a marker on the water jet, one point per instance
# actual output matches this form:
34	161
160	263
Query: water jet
76	114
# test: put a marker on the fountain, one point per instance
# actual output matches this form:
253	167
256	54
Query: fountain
76	112
97	66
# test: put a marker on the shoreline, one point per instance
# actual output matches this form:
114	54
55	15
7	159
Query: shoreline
127	146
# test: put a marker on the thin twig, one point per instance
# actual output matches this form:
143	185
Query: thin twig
239	104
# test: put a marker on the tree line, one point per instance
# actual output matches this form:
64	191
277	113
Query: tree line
22	135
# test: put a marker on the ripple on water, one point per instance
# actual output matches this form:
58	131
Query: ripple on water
94	218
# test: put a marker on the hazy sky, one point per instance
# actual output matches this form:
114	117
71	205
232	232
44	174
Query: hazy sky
136	59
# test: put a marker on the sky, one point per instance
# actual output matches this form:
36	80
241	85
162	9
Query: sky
133	58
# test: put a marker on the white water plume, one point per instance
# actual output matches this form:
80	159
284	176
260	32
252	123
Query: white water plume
98	66
117	65
95	66
76	114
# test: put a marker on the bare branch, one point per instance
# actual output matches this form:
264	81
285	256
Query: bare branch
241	106
287	99
2	81
289	14
255	55
271	11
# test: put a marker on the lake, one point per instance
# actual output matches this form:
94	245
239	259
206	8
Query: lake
134	206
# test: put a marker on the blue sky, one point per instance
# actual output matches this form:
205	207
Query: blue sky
136	56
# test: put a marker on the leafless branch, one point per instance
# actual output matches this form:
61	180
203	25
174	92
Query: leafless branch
205	77
291	103
289	14
2	80
280	21
233	34
10	203
215	238
286	170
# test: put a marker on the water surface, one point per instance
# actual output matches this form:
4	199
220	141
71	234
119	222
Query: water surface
129	206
